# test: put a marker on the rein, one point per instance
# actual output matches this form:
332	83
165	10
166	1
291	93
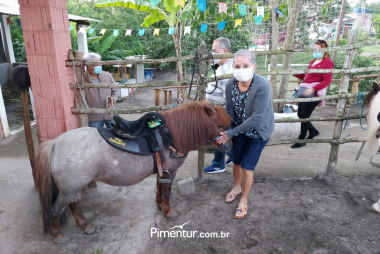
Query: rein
359	102
199	74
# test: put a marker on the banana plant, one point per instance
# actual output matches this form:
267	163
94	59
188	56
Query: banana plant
173	12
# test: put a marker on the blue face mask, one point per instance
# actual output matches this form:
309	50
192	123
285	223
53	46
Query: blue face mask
317	55
97	69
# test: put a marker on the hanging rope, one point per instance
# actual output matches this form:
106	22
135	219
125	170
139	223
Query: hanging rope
359	102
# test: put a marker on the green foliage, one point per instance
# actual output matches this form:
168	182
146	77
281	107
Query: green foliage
106	44
17	40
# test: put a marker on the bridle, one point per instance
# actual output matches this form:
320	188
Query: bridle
199	75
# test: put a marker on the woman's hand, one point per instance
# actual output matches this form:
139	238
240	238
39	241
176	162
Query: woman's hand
111	102
223	138
307	92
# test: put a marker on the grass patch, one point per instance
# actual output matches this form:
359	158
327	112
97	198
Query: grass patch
375	49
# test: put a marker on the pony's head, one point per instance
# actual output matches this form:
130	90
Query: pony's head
192	124
371	95
373	118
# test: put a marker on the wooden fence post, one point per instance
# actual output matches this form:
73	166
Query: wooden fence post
83	119
340	110
165	97
157	97
170	97
202	96
355	88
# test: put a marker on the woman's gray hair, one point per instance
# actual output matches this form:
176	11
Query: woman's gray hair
246	53
92	57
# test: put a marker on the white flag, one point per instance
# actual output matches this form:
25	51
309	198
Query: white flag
260	11
81	30
187	29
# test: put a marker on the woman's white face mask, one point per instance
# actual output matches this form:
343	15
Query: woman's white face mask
244	74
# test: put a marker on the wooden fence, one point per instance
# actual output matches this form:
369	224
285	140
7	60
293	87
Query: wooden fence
343	96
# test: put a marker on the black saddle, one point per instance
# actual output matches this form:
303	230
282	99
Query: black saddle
147	126
148	135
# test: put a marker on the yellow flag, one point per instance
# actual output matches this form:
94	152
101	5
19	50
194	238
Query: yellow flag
180	2
102	31
156	31
238	22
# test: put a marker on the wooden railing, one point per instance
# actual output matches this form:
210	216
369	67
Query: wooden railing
166	86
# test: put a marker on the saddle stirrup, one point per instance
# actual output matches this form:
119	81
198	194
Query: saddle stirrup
161	163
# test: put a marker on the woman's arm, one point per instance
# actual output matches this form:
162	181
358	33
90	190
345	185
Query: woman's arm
326	77
260	105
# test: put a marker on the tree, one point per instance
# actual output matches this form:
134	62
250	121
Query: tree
170	11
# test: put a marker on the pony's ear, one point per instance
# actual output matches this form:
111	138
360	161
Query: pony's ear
210	110
375	87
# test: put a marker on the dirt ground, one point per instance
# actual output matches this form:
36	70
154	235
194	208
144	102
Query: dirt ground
285	215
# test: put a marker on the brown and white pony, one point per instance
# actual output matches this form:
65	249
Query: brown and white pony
373	127
66	164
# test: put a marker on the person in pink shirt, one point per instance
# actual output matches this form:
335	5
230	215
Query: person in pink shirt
316	83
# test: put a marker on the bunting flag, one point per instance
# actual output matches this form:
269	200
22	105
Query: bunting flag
187	29
102	31
203	28
81	30
222	7
154	2
221	25
91	30
242	9
141	32
279	12
128	32
18	22
259	20
71	28
171	30
260	11
115	32
180	2
202	5
156	32
8	20
238	22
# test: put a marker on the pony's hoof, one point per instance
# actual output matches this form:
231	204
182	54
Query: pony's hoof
90	230
60	239
373	210
172	215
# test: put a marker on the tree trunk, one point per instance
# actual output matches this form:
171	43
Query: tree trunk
288	44
273	58
177	44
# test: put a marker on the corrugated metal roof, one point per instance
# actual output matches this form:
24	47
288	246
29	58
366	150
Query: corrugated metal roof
11	7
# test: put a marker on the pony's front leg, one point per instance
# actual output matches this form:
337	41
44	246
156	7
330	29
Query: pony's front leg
166	192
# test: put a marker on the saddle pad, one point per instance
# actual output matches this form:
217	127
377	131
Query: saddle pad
139	146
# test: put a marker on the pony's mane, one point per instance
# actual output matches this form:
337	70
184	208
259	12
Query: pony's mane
191	124
373	124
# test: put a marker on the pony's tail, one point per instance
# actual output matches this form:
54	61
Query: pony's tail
45	184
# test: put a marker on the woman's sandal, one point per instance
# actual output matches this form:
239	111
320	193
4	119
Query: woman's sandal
240	213
231	197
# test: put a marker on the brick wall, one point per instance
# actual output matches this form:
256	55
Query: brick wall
47	41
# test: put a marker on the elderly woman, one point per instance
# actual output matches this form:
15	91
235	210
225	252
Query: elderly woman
249	103
99	97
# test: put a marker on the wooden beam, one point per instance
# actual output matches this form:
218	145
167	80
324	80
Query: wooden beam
170	97
150	84
157	97
165	97
27	127
223	56
343	118
83	118
340	110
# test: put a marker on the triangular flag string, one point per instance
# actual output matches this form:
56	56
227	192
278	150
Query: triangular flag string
102	31
128	32
238	22
156	32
